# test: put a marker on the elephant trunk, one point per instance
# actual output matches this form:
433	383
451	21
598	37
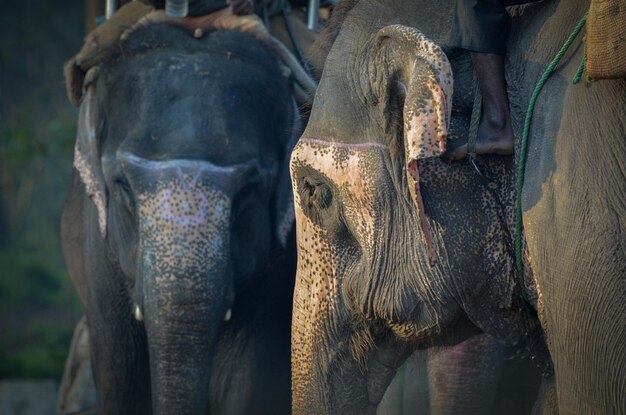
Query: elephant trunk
323	339
182	324
184	279
314	362
314	384
332	380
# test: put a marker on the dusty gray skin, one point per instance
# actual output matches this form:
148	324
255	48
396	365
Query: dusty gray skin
476	376
178	219
399	250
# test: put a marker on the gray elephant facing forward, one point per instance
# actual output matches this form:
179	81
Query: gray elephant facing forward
177	226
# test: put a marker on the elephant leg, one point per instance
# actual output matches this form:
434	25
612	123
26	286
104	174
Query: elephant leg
392	402
547	403
77	391
518	386
416	396
408	392
233	370
119	358
470	378
117	342
72	235
473	377
464	378
447	380
251	372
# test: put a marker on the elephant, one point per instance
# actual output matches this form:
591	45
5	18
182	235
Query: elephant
432	379
476	376
178	226
399	250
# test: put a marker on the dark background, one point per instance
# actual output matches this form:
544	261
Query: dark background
38	307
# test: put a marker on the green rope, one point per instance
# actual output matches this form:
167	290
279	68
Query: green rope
581	69
519	265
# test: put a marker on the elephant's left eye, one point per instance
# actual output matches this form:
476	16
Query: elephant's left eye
316	195
320	202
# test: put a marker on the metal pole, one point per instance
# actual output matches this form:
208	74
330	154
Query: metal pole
110	9
313	14
176	8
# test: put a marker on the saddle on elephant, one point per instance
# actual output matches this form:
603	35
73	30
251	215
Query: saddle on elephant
105	42
606	39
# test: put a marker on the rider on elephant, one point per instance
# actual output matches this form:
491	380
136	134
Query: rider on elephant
481	27
203	7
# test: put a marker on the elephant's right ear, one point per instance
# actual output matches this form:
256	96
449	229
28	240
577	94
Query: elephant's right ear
424	73
87	155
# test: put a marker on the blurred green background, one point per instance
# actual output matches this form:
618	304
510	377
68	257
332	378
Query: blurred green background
38	307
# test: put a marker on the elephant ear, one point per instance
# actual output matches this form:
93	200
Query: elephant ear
426	76
87	154
284	214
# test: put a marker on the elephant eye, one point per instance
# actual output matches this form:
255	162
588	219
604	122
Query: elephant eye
317	195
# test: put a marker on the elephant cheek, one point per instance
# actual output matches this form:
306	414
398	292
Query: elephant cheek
314	299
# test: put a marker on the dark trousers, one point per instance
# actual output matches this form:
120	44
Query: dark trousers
482	25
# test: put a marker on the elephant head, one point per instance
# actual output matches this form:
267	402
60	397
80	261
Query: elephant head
182	148
377	274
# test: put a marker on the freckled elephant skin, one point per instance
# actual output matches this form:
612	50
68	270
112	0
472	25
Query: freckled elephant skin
179	229
400	251
183	258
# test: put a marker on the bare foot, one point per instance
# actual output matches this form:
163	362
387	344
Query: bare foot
492	139
495	134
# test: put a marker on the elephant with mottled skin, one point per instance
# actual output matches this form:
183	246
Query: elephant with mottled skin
399	250
178	228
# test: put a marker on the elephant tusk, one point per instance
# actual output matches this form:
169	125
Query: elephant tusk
137	313
228	315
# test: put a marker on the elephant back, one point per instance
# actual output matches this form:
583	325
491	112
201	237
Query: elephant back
107	42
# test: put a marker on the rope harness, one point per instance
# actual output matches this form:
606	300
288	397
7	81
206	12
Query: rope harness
519	264
474	121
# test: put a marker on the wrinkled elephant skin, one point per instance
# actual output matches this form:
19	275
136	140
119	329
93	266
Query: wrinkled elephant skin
178	223
398	250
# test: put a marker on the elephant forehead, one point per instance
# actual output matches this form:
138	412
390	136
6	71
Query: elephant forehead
346	165
183	221
353	170
183	202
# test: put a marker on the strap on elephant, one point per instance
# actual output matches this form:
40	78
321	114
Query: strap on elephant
474	122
